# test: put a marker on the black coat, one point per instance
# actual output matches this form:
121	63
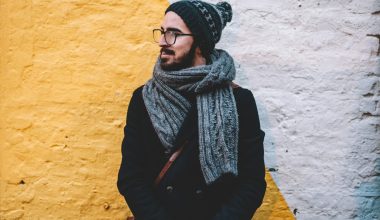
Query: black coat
183	194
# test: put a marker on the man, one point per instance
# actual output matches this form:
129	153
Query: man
191	102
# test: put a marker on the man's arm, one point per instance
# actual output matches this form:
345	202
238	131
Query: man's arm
132	183
250	190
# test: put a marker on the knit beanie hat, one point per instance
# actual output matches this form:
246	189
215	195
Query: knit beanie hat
205	20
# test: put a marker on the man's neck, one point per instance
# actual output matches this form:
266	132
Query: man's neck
198	61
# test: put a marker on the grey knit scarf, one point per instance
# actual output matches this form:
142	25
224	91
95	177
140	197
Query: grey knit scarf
217	114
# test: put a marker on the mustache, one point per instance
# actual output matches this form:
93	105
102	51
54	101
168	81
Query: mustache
167	51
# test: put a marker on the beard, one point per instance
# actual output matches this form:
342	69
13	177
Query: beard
179	63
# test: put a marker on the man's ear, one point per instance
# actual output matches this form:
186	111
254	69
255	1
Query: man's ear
199	59
202	55
198	52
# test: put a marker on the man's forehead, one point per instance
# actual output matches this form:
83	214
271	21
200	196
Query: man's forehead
174	22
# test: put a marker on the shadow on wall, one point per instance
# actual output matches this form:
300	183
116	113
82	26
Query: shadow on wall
367	193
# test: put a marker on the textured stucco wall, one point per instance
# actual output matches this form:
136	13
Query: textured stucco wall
68	69
314	69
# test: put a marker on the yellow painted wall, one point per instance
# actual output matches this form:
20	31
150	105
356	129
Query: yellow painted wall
68	69
274	206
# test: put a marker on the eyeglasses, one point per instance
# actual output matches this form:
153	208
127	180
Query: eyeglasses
169	36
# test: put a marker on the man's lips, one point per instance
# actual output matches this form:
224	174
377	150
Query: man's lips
166	52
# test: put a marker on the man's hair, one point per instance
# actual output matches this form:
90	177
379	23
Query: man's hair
201	43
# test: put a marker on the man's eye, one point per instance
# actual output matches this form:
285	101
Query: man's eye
173	32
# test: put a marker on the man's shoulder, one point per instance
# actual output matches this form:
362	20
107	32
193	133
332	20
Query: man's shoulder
241	93
137	93
137	100
139	89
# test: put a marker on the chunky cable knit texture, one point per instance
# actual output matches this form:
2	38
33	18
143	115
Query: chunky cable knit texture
217	113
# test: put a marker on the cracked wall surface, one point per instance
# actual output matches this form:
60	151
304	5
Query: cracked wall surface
314	69
68	69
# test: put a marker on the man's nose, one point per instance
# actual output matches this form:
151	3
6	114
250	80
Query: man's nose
162	42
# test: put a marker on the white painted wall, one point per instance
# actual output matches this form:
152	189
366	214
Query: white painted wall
315	75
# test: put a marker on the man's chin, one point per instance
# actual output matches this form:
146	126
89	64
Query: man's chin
164	61
173	66
169	63
168	67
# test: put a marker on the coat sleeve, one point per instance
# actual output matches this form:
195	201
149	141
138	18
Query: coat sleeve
251	185
132	183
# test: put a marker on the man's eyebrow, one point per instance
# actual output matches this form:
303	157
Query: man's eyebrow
172	29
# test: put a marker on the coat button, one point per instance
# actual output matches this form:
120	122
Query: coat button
169	189
167	152
198	191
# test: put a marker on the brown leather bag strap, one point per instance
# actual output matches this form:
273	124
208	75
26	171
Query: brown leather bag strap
164	170
168	164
